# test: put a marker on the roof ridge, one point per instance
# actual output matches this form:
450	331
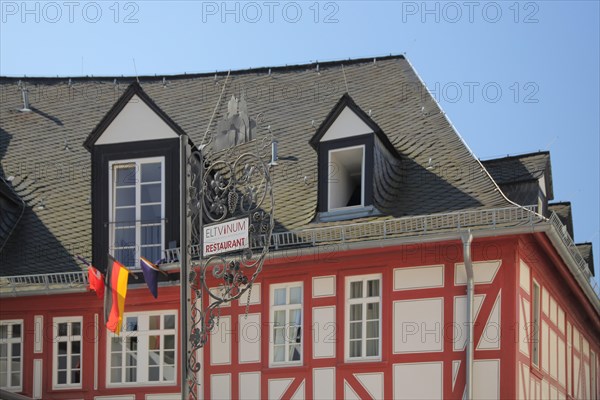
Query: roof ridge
285	68
523	155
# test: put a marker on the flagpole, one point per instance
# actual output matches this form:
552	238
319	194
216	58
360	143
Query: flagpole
184	262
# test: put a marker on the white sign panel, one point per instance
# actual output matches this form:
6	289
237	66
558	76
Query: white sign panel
225	237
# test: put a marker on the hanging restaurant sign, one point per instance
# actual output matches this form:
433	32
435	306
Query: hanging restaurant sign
225	237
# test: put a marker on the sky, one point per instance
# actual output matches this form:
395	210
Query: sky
513	77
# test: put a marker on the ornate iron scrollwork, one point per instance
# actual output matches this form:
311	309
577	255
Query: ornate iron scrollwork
225	185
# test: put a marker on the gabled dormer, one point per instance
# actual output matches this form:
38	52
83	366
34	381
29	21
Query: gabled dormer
135	181
350	147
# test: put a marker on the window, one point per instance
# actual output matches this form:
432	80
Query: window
137	210
146	350
67	352
11	350
535	326
346	177
363	322
286	315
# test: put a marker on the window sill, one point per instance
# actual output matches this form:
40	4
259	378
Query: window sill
143	384
362	360
347	213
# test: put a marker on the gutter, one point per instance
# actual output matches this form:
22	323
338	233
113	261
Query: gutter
467	239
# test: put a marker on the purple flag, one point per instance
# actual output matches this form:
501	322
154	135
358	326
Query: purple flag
150	275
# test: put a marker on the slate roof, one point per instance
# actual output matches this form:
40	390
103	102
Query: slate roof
564	213
11	210
523	168
44	148
585	249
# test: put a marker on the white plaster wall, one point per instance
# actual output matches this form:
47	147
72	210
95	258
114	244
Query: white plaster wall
136	122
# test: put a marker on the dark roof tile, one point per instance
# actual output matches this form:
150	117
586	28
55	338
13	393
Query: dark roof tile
32	145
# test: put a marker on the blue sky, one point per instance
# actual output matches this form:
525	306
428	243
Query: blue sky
513	77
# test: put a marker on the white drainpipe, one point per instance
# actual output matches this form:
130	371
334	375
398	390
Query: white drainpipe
467	238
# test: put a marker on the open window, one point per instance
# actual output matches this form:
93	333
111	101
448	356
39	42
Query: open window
346	174
351	150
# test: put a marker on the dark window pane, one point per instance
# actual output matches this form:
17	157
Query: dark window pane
116	343
16	349
16	379
131	374
132	325
62	362
62	329
75	363
154	342
356	290
125	197
355	330
75	347
151	235
16	331
169	322
355	312
62	377
75	376
3	331
116	359
372	348
151	213
373	329
62	348
3	350
373	311
373	288
76	329
151	172
125	176
169	358
151	193
153	374
154	358
125	237
125	215
154	321
115	375
355	348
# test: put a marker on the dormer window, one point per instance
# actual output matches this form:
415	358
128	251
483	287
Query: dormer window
349	145
135	186
136	226
346	178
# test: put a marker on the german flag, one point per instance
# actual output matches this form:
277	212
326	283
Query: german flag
114	295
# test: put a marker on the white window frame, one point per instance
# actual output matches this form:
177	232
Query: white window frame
362	177
287	307
68	339
142	334
536	322
138	228
593	376
363	300
9	342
